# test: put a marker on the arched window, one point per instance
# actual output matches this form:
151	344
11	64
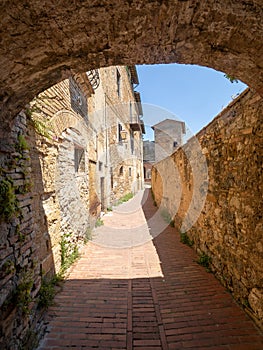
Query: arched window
121	170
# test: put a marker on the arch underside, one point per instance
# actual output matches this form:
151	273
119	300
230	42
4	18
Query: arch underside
42	44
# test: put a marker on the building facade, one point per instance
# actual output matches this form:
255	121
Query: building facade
148	159
75	150
86	149
168	136
117	110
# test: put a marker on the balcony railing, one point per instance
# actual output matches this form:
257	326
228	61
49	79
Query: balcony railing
136	124
94	78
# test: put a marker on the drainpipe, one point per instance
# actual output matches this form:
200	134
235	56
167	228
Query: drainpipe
105	125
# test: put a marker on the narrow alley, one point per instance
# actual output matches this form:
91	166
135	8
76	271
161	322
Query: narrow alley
146	296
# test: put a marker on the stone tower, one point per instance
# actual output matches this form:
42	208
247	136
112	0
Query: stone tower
168	135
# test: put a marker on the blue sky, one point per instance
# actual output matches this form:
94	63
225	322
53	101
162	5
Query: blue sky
189	93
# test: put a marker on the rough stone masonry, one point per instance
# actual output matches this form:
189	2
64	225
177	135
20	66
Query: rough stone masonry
229	230
42	44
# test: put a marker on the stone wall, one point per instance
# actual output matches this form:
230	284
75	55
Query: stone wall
57	126
43	45
39	206
19	262
42	202
52	159
229	226
148	151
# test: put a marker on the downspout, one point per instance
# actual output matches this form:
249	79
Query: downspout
105	125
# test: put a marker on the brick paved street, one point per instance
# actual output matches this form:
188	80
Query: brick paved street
149	296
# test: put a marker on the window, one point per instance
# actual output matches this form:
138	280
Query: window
132	142
121	170
175	144
77	99
118	83
130	112
130	171
100	166
119	132
79	159
111	178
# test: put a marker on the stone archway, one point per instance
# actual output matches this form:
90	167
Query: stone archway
43	44
65	119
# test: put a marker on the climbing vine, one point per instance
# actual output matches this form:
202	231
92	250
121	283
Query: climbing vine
230	78
23	292
21	144
35	115
47	290
69	252
8	200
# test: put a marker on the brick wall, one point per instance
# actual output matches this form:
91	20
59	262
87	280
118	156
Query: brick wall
19	265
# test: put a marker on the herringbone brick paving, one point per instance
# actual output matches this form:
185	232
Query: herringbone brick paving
153	296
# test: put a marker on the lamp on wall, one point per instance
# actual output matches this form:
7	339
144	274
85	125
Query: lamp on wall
77	99
123	134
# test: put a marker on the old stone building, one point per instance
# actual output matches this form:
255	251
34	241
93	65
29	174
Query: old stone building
77	151
94	156
148	159
120	157
168	135
148	151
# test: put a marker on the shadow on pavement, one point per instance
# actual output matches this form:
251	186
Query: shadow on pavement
153	296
